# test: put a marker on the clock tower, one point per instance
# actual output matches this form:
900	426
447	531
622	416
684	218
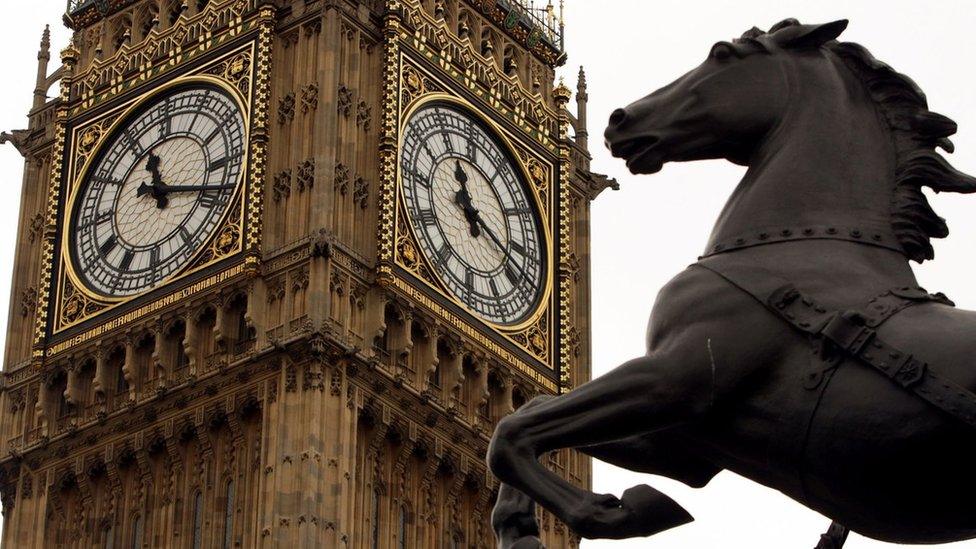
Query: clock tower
283	264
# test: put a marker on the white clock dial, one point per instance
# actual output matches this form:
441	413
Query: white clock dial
472	213
158	190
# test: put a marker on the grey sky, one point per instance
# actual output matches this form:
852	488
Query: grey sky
629	48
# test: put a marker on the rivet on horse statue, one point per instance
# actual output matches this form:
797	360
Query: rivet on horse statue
799	351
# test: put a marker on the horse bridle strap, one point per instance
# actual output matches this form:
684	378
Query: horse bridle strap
850	333
866	234
854	334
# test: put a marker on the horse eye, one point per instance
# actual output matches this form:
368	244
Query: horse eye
722	51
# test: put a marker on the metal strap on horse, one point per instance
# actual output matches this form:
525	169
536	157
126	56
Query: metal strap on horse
854	333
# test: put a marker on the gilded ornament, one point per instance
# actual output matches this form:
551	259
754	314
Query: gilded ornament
73	308
413	81
537	173
237	66
89	138
408	252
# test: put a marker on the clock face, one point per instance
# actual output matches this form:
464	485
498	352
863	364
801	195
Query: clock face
158	190
472	213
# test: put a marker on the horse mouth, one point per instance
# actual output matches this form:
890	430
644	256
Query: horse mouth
639	154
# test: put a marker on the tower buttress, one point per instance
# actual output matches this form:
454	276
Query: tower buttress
582	134
43	58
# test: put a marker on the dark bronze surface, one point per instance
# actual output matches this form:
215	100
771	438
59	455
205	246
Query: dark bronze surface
799	352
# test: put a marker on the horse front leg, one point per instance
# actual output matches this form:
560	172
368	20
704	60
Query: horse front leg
642	396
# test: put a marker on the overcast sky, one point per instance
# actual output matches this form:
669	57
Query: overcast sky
656	225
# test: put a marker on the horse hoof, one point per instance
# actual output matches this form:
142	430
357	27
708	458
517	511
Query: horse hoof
651	512
641	511
530	542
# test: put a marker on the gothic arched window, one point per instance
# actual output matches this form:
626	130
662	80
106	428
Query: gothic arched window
229	516
402	528
375	518
198	520
137	533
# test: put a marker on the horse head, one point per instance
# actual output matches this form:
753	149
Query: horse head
723	107
802	110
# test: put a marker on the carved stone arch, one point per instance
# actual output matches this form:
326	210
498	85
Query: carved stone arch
378	417
199	311
407	450
83	480
172	10
120	31
170	323
110	458
60	480
458	467
427	477
145	20
520	395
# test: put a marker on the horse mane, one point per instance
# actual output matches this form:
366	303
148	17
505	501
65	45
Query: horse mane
916	131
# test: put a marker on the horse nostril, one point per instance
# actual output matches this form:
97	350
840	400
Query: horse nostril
617	117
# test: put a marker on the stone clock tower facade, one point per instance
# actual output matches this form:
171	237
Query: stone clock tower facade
282	264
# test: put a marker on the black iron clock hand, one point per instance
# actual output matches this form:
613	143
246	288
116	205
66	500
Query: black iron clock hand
157	188
193	188
494	238
463	198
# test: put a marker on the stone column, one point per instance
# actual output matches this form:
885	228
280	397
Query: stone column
101	382
222	325
158	369
71	393
190	341
43	403
129	365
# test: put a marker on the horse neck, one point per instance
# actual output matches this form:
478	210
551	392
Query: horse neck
828	166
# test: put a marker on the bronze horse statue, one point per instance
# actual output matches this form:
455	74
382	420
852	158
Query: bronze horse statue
799	350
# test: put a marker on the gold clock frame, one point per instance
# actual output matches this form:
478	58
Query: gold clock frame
413	44
78	184
244	71
543	210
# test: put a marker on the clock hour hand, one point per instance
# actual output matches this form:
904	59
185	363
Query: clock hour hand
463	198
157	188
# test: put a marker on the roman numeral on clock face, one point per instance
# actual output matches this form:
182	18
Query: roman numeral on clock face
512	275
497	276
428	217
107	246
100	218
218	164
126	260
444	253
209	199
124	243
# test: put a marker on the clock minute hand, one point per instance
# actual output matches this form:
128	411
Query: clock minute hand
494	238
194	188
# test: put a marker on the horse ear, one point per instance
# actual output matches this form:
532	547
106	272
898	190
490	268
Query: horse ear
811	36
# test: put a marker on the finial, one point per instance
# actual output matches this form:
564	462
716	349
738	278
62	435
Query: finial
581	81
70	54
46	38
561	93
487	49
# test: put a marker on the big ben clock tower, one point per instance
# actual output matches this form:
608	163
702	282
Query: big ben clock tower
283	264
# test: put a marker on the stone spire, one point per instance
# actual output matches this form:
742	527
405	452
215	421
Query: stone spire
582	134
43	57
